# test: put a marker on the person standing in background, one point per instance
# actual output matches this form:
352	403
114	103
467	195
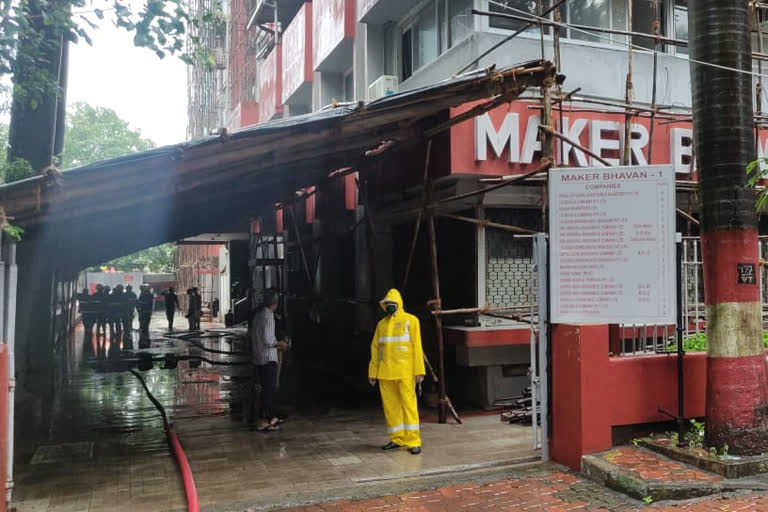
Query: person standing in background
171	305
144	307
128	310
264	350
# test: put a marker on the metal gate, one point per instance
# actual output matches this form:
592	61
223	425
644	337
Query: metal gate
514	271
540	344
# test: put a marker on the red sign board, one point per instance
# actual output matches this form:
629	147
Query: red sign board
507	141
333	21
297	52
271	84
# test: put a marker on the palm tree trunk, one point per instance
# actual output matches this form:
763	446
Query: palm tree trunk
737	378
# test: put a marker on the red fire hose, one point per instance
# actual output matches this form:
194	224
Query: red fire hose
193	505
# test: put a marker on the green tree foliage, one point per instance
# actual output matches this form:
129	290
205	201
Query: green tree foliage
94	134
159	259
97	133
757	171
3	144
160	25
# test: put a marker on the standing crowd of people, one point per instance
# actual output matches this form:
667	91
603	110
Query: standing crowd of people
115	308
194	307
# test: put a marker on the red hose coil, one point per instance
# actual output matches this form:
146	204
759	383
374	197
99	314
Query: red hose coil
193	505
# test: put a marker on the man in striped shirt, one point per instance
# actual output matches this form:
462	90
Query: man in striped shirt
264	348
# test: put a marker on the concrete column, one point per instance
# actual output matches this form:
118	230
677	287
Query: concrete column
359	59
375	54
316	105
331	88
581	421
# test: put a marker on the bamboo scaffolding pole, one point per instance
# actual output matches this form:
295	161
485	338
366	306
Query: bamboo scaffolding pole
575	144
547	144
447	399
544	166
487	224
627	156
469	114
466	311
540	13
610	103
759	85
559	87
637	113
687	216
417	225
672	121
441	413
370	235
297	233
587	28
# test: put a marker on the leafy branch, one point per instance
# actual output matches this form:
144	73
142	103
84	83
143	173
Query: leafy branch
32	29
757	171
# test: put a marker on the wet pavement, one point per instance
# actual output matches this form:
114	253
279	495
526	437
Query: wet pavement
102	445
532	491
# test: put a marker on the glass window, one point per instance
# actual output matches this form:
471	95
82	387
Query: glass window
594	13
425	38
442	19
516	7
642	21
406	56
597	13
681	24
461	24
618	20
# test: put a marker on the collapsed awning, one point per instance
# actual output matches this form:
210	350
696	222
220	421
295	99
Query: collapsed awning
111	208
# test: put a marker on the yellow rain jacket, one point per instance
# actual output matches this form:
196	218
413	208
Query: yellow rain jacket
396	347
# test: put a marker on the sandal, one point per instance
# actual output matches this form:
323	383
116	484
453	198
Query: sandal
277	422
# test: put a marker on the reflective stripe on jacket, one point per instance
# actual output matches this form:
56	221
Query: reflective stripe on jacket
396	351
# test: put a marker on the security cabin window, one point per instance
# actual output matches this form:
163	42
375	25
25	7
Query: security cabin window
438	26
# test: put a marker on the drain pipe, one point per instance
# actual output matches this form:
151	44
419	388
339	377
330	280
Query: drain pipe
193	504
11	280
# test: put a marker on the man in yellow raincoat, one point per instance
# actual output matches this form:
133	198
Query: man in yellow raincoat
397	363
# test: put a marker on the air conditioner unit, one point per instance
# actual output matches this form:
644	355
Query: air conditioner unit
383	86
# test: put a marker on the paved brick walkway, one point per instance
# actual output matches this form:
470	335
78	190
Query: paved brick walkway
556	492
651	467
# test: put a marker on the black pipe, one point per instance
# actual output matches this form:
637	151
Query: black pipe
152	398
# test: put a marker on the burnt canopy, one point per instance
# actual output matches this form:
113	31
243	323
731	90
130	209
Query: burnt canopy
111	208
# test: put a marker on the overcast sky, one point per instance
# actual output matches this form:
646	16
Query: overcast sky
148	92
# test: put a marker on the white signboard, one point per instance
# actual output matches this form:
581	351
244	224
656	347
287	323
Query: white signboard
612	245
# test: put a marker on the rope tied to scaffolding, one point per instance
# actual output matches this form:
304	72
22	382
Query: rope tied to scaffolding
434	304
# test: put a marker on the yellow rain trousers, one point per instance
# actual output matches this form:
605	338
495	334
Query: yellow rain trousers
396	358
